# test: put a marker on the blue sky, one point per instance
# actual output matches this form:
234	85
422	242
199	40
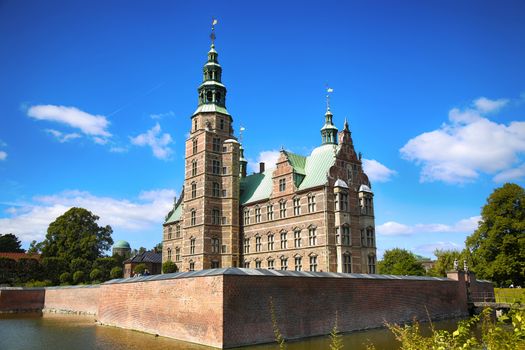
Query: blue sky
96	100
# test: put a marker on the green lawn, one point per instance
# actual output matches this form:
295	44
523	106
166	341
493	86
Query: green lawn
510	295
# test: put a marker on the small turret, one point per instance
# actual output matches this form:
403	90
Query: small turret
328	131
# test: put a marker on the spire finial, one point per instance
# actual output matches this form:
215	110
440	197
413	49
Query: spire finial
212	35
346	125
329	90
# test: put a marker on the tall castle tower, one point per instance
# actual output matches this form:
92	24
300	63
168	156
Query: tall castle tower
210	222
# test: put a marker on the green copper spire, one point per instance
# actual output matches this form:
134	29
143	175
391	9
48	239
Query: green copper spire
212	91
328	131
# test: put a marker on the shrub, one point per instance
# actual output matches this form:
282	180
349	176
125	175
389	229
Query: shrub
38	284
78	277
139	269
65	278
95	275
169	267
116	272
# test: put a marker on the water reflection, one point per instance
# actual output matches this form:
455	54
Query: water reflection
56	331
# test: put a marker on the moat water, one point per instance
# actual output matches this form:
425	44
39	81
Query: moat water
55	331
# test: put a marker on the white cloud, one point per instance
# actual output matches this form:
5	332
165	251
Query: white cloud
158	143
3	155
511	174
91	125
162	115
469	144
61	137
392	228
116	149
269	158
30	221
376	171
485	105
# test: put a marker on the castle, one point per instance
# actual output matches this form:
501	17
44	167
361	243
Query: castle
312	213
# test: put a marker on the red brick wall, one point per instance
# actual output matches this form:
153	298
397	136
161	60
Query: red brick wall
188	309
20	300
307	306
75	299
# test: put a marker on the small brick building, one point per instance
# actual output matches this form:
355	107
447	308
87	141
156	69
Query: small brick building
152	260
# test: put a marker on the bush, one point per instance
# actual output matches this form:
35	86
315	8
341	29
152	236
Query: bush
116	272
38	284
78	277
95	275
139	269
80	264
169	267
65	278
7	271
54	267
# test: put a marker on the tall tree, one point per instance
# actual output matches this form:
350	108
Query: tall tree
10	243
76	234
497	247
400	262
445	262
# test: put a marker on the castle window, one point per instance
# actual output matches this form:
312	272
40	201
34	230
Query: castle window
257	215
363	238
371	264
169	254
347	263
257	264
224	170
246	245
195	124
313	263
297	238
192	246
284	263
312	236
216	190
297	206
346	235
258	244
216	144
177	231
194	167
224	193
216	217
246	264
284	242
282	185
337	236
169	232
218	94
269	212
221	124
192	266
193	220
177	254
193	190
215	167
298	263
370	237
311	204
246	216
343	201
282	209
215	244
270	265
194	146
214	264
209	96
270	242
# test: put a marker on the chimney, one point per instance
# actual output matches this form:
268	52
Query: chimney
261	167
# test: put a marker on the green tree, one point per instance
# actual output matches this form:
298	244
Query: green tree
497	247
34	247
158	248
445	262
65	278
139	269
400	262
10	243
7	271
95	275
80	264
105	265
28	269
76	234
116	272
53	268
169	267
78	277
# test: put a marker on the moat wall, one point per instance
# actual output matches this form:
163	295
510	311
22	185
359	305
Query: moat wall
231	307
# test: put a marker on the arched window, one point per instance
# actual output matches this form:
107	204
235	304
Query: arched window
177	254
193	217
193	190
347	262
194	167
169	254
209	96
194	146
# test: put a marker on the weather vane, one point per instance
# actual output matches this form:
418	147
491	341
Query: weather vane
329	90
212	35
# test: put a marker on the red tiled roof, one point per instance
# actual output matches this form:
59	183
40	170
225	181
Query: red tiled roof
18	256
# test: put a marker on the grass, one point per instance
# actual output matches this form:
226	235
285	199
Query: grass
510	295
